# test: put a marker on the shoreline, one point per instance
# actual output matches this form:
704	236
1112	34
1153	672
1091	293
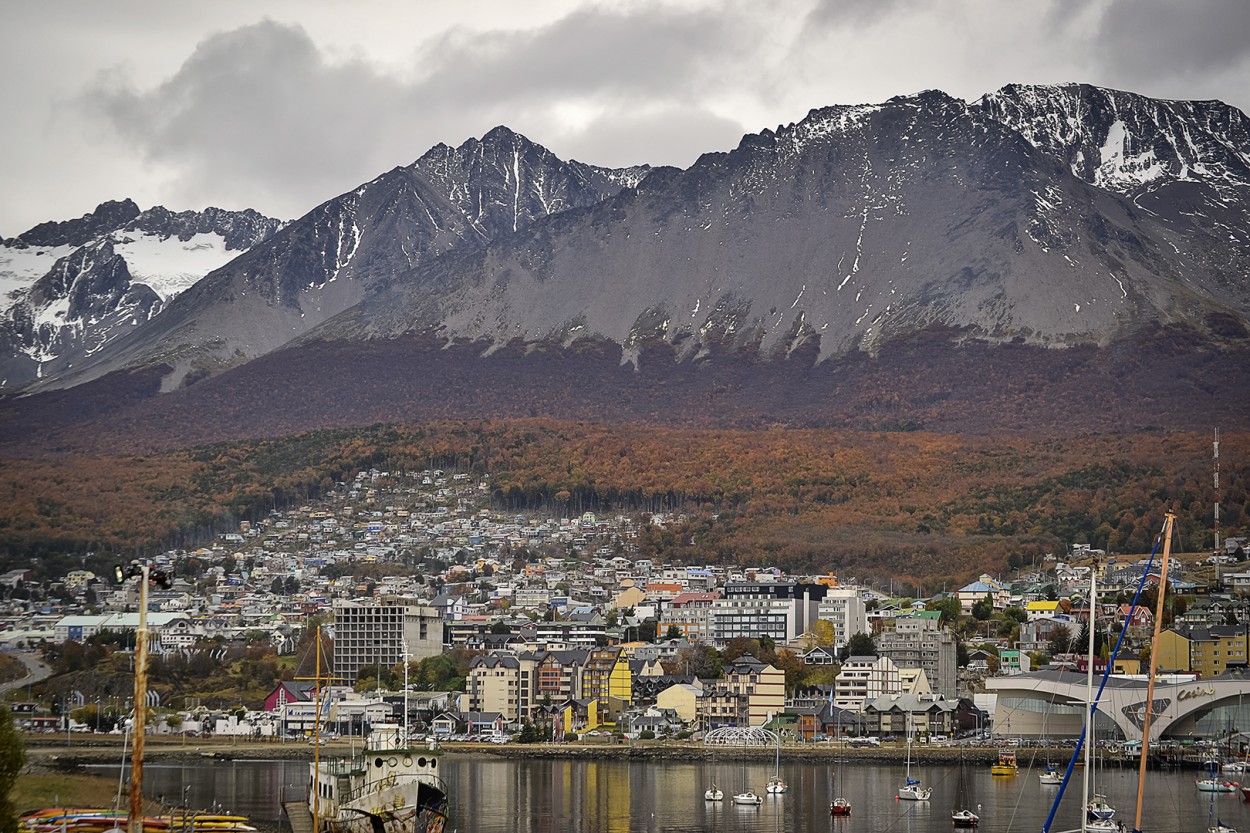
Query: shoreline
60	756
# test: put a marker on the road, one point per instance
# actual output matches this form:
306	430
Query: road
36	672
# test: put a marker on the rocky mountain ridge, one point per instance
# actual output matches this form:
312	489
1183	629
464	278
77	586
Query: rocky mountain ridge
326	261
67	289
1036	218
852	227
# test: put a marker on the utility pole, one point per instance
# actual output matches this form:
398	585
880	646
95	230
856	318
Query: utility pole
142	570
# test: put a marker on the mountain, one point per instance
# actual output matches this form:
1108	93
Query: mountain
925	262
853	227
326	261
1185	164
67	289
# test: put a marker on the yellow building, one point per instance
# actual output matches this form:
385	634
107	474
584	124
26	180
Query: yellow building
1041	610
607	679
1205	651
682	698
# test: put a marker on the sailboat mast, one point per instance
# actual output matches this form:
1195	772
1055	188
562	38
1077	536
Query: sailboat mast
317	738
1089	692
1154	655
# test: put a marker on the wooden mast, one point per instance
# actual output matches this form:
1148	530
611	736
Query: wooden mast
1154	655
138	724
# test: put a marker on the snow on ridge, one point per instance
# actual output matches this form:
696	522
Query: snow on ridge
827	123
22	266
168	265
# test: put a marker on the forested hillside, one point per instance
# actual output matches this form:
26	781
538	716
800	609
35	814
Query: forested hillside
911	505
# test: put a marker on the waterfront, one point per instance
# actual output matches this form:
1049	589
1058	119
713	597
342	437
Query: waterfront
517	795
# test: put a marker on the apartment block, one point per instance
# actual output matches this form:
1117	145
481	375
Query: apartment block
382	632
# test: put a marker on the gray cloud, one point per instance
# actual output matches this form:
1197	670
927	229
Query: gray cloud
833	14
279	115
261	111
1147	40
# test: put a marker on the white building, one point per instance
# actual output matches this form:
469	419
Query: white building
863	679
845	610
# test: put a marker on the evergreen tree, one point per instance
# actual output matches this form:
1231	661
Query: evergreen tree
12	759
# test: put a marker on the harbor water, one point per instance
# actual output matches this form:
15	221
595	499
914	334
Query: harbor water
519	795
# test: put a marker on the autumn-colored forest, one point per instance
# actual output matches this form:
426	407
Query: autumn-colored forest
913	506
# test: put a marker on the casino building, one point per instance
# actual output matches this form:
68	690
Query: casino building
1052	704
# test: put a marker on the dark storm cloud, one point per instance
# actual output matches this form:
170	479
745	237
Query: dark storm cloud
262	110
1152	40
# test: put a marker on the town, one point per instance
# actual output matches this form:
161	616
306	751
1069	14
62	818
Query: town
477	624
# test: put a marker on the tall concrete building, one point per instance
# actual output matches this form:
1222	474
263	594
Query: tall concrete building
369	632
919	641
781	610
845	610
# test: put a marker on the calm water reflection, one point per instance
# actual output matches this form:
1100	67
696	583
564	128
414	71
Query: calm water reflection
492	795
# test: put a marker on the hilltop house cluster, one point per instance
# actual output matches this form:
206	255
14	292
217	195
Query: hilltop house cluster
555	608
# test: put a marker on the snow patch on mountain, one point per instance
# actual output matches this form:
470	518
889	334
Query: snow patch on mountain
21	266
169	265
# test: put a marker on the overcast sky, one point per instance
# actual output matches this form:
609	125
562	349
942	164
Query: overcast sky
279	105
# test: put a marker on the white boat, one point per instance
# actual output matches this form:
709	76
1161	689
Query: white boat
1215	785
715	793
1050	777
748	798
1220	827
1097	809
911	789
387	784
775	785
387	787
962	816
965	818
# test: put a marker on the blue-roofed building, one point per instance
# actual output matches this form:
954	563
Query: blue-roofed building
970	594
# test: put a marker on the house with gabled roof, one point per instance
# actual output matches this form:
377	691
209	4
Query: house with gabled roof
986	585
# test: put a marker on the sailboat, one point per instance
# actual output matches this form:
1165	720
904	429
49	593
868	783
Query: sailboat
962	816
911	789
1214	824
713	793
1050	777
775	785
747	797
1098	812
840	806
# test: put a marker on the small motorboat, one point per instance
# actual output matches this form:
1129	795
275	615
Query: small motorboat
965	818
748	798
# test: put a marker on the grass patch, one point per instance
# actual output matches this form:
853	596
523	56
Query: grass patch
34	791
